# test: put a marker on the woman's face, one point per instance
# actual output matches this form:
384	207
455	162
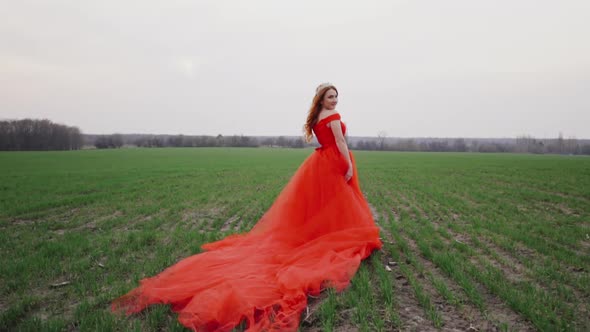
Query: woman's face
330	100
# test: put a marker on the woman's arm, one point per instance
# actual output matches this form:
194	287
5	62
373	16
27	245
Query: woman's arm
341	143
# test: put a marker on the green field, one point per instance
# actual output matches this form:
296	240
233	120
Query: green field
481	241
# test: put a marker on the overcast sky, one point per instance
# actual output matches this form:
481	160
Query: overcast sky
454	68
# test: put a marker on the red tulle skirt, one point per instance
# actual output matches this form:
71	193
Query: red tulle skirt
314	236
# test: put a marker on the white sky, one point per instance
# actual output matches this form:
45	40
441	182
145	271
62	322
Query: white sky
469	68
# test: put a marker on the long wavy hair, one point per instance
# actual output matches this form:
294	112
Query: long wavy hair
316	107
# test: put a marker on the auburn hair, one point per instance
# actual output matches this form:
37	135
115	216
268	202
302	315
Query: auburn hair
314	110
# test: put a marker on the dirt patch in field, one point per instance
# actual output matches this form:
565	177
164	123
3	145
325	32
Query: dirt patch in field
145	218
467	199
468	317
525	251
421	211
95	223
21	222
439	217
460	237
50	298
59	232
339	328
374	212
555	193
90	219
412	315
514	270
227	225
309	317
571	248
465	318
238	225
410	206
395	214
52	215
567	210
402	204
202	218
553	209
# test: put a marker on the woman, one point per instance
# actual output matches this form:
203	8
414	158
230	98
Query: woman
313	236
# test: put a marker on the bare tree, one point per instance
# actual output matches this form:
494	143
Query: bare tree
381	137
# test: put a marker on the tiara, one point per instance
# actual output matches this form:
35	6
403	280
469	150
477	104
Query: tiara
321	86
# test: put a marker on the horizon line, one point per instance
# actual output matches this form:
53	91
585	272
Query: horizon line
356	136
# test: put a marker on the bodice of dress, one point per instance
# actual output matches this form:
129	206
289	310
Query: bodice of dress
324	133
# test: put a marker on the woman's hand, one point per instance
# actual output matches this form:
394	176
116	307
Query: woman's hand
348	174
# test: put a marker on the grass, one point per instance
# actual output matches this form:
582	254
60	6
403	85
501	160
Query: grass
489	240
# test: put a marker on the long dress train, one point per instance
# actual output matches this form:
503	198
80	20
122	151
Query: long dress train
313	236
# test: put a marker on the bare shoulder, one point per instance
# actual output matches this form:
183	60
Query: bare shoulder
325	114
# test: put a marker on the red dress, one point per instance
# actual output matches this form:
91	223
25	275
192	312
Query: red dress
313	236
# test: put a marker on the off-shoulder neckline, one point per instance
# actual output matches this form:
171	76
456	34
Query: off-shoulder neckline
329	116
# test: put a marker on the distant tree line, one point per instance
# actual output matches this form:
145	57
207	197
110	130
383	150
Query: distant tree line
196	141
109	141
438	145
29	134
158	141
522	144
